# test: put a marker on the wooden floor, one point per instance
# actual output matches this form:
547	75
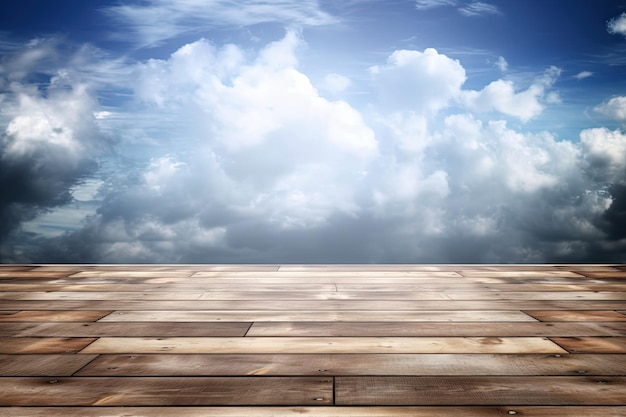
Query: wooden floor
317	340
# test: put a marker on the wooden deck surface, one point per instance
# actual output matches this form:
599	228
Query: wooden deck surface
315	340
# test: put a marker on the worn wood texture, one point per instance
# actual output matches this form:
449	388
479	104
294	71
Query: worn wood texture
328	411
447	390
319	340
323	345
102	391
362	364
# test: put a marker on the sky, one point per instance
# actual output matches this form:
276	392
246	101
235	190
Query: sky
313	131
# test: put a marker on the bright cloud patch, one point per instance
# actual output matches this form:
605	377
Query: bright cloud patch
502	96
615	109
617	25
424	82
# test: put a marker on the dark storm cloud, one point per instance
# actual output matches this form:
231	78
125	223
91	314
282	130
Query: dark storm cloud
48	134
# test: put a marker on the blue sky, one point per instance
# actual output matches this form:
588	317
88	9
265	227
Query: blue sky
259	131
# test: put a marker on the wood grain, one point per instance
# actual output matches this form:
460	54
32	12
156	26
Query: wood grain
592	344
310	364
42	365
23	345
323	345
395	411
162	391
47	316
321	315
497	329
509	390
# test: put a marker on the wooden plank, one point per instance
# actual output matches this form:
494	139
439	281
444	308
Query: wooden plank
494	390
216	345
605	274
362	364
42	365
47	315
148	329
32	274
404	328
311	305
507	273
141	273
164	287
537	295
100	295
361	273
592	344
321	315
23	345
564	315
327	411
156	391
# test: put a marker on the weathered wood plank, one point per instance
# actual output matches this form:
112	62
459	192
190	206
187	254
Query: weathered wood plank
100	295
309	364
538	295
163	287
605	274
47	315
290	305
592	344
361	273
148	329
159	391
320	315
327	411
108	345
42	365
508	273
564	315
312	305
493	390
404	328
23	345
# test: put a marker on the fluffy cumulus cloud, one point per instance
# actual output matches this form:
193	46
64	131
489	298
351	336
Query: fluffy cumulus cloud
250	161
502	96
614	109
617	25
423	81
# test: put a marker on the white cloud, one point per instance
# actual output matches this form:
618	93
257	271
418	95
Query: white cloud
502	64
268	123
502	96
583	74
154	21
615	108
336	83
617	25
431	4
423	82
605	153
478	8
